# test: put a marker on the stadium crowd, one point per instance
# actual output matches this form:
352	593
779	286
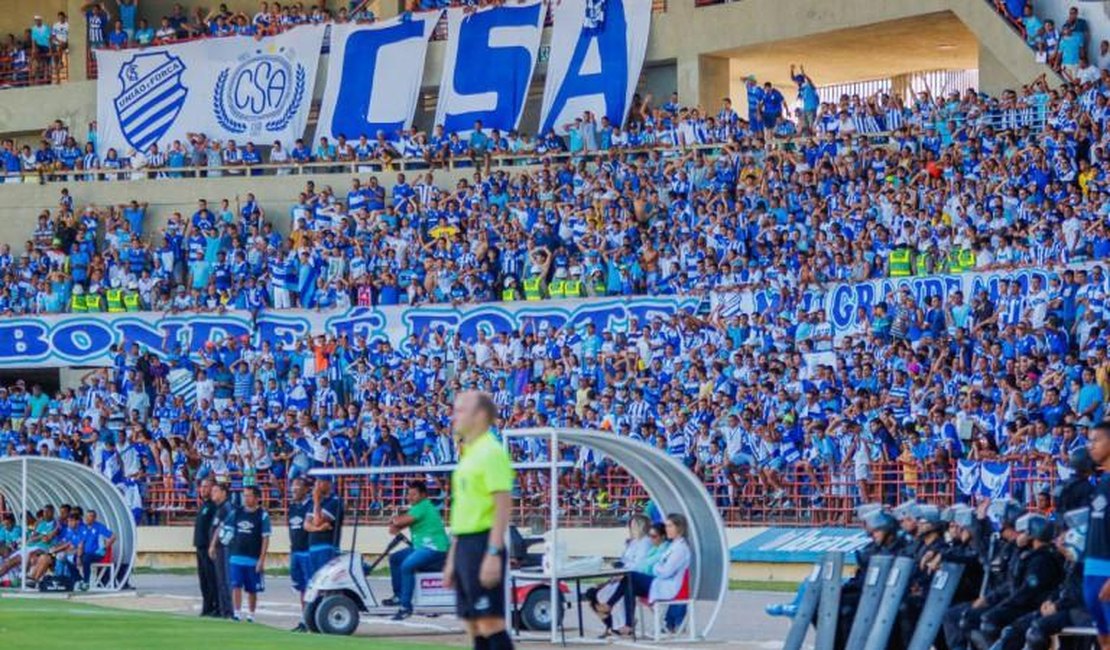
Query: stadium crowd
719	205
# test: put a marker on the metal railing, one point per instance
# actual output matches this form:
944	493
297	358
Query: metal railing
799	496
29	67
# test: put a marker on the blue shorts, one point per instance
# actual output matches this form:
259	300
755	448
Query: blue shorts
1099	610
319	556
246	577
300	570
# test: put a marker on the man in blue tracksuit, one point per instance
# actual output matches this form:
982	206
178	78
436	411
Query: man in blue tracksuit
300	560
250	540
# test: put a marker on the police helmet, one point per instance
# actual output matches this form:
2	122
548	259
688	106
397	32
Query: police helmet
881	522
1080	461
928	518
866	510
906	510
1036	526
1006	512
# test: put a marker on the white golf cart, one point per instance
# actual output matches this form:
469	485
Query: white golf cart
340	591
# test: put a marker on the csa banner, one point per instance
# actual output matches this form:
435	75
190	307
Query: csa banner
232	88
505	40
374	75
594	63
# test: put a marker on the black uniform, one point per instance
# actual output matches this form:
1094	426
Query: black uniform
223	527
918	588
1074	493
206	569
1042	571
853	588
1034	631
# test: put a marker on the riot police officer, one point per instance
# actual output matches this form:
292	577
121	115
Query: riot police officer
998	553
1076	492
1064	607
928	550
1042	571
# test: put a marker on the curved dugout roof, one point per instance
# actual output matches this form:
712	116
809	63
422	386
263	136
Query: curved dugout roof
673	488
52	481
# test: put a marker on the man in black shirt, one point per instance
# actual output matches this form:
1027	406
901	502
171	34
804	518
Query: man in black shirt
222	531
300	560
202	530
1096	563
325	524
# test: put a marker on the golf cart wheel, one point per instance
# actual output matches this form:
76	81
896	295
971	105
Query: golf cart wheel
337	614
536	612
310	615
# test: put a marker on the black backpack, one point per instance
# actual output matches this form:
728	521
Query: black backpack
56	583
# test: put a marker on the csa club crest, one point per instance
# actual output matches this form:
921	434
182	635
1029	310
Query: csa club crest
150	98
262	92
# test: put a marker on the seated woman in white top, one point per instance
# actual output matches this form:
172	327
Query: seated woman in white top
663	583
639	546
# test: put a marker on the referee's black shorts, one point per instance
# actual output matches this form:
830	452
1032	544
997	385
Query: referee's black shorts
472	600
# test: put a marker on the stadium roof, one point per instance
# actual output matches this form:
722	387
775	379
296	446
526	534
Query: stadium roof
674	489
52	481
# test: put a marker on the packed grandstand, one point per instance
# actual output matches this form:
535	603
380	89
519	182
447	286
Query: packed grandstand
755	220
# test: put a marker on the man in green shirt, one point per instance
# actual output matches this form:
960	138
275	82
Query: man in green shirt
481	500
427	553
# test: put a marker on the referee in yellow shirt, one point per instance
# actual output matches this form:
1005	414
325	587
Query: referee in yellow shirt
481	499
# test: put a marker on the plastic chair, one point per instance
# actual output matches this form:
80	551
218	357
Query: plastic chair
659	608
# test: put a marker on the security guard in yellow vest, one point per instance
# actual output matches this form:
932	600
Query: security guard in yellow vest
94	302
898	262
573	287
556	289
510	292
131	300
922	263
952	261
114	297
77	300
597	285
966	259
533	288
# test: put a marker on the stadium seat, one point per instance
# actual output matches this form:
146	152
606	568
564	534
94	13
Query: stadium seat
1076	637
104	577
658	610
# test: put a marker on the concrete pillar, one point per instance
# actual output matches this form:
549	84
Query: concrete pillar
78	41
702	80
995	76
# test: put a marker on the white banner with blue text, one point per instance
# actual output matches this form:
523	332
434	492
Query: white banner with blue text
233	88
374	75
595	60
505	39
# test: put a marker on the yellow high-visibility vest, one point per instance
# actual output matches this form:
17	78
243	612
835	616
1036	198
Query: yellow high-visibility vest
131	301
556	288
114	298
966	259
93	302
898	263
508	295
572	289
77	303
533	289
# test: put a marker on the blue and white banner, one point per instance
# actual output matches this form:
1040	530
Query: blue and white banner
799	545
491	55
594	64
87	339
846	304
234	88
989	479
374	75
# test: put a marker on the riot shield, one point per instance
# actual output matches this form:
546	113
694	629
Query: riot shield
941	590
897	579
873	582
